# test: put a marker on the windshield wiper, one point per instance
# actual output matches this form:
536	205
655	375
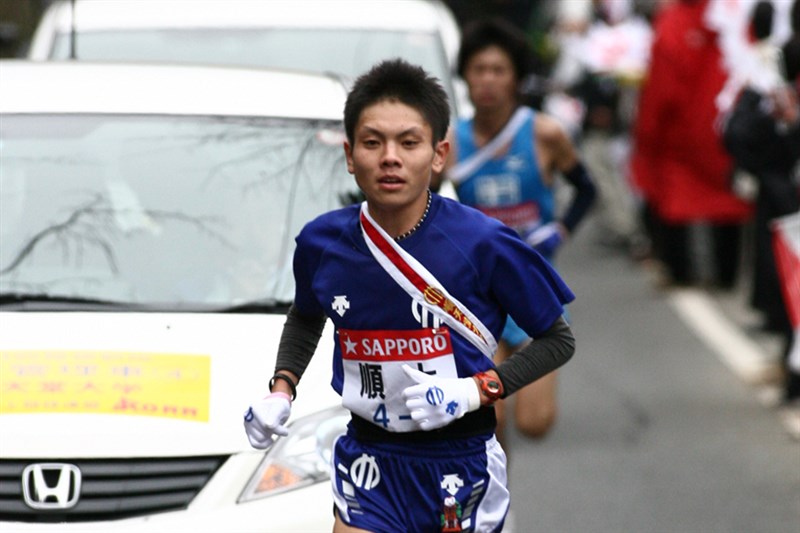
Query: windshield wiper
59	302
21	301
263	305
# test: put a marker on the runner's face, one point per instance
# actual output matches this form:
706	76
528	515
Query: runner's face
393	154
491	78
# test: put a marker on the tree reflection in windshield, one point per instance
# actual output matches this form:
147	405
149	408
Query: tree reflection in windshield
162	209
87	225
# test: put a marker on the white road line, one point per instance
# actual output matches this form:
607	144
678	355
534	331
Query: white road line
737	351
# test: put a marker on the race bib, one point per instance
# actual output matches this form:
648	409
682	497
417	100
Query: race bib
521	217
373	375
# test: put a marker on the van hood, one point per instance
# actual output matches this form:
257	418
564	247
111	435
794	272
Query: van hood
141	384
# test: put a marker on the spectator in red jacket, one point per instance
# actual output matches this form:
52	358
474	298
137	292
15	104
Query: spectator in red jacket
679	163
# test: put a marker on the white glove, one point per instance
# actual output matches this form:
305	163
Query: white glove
266	418
546	239
435	402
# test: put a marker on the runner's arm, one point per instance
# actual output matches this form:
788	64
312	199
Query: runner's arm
566	161
585	193
541	356
298	342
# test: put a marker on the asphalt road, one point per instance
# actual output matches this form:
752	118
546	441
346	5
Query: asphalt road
656	433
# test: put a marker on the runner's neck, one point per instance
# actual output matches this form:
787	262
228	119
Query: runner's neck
486	125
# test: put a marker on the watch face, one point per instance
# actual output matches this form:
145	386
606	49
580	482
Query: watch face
491	387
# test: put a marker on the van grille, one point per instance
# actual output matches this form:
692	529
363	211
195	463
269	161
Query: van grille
112	488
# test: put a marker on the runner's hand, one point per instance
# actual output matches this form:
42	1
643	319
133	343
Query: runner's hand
435	402
266	418
546	239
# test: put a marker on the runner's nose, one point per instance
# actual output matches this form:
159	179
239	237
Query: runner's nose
391	155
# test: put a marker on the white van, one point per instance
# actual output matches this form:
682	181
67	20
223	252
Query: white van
345	37
148	216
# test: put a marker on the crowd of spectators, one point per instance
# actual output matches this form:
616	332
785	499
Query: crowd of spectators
686	115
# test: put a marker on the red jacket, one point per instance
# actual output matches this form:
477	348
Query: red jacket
679	162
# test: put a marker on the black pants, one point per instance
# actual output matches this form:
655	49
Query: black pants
778	197
672	245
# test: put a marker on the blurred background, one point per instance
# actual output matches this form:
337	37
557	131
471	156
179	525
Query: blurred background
681	410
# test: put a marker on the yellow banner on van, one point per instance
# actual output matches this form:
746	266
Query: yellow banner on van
125	383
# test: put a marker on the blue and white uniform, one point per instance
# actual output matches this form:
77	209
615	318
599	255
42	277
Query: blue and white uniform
509	188
379	327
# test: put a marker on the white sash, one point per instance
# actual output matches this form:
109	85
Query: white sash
467	167
415	279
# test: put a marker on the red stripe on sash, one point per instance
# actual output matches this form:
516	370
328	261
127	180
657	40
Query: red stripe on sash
431	294
393	256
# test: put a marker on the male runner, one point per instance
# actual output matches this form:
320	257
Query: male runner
504	163
421	394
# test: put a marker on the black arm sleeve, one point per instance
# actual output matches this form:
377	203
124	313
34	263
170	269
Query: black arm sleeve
299	340
539	357
585	193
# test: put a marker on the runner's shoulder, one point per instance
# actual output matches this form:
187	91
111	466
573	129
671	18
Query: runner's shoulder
458	217
330	225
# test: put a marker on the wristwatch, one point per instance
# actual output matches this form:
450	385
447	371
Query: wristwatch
490	386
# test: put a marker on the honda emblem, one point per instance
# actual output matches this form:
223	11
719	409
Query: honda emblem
49	486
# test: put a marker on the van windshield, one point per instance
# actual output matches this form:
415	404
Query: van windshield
162	209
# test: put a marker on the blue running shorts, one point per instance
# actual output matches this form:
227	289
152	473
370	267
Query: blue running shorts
513	334
454	485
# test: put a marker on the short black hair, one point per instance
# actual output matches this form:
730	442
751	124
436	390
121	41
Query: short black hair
396	79
481	34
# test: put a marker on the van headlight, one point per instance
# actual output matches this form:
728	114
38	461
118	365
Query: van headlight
301	458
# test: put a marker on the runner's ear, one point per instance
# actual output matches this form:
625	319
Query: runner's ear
440	152
348	154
